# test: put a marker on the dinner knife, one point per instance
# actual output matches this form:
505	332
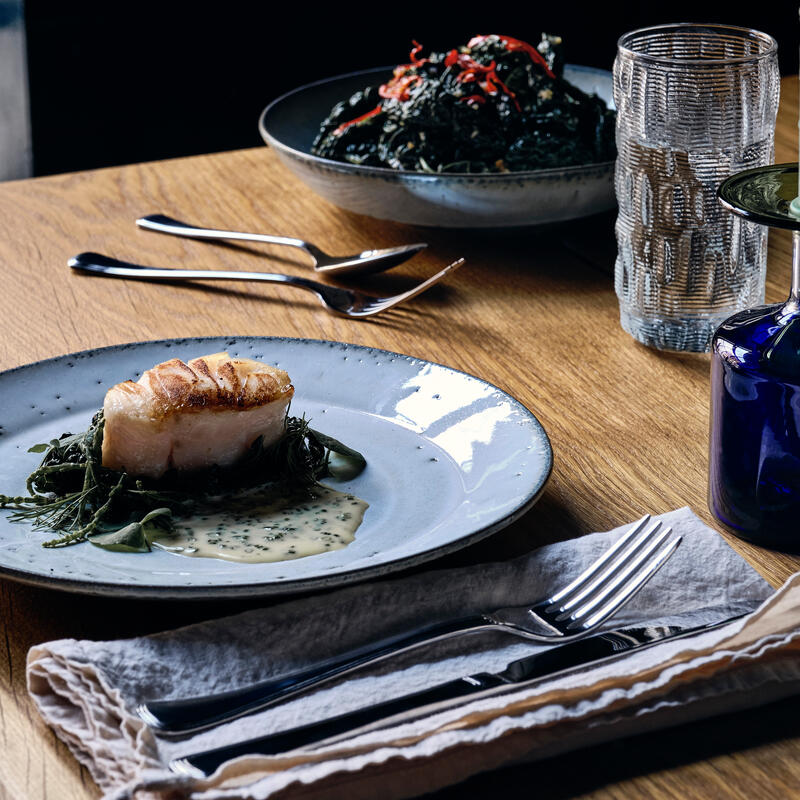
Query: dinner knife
549	663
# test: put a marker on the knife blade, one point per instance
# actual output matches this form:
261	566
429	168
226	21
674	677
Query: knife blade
549	663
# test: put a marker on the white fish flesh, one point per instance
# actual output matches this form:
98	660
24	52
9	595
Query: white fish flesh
190	416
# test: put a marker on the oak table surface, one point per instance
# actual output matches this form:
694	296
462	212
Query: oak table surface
532	312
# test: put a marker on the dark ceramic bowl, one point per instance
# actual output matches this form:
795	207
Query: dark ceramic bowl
455	200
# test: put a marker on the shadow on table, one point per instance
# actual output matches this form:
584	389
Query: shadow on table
590	240
577	774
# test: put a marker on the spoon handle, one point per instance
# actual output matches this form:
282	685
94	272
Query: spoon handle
98	264
164	224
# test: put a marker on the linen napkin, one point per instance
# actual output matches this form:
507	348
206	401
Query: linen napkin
87	691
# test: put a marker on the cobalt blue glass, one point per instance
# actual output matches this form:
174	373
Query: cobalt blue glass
754	460
754	477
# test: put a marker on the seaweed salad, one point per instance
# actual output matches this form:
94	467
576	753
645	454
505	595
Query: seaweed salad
496	105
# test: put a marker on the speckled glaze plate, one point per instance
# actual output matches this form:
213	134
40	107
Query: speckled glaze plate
451	459
512	199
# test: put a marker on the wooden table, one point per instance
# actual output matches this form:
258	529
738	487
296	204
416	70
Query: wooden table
534	313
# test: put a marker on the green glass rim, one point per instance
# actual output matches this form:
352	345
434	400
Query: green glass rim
746	205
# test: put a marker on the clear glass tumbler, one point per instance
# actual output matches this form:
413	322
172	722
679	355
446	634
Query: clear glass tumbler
695	104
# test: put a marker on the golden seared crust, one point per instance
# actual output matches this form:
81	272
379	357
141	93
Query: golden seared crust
214	382
129	387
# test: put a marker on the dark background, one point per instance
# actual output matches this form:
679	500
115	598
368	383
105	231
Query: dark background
118	81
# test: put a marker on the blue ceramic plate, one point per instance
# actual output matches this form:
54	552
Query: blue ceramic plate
451	459
290	124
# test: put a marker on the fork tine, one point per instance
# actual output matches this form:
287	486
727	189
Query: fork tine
629	564
595	568
614	567
627	590
610	585
382	303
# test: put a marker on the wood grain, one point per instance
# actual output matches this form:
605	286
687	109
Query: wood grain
533	312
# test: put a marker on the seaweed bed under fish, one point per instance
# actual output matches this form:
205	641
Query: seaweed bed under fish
73	494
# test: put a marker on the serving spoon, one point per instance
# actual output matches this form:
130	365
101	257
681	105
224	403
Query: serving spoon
360	263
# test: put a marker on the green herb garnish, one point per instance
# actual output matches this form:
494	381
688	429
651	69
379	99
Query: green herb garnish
72	493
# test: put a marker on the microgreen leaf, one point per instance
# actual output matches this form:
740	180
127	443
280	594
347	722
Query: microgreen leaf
128	539
136	536
344	462
159	517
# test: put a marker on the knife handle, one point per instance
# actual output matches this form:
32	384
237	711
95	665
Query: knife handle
198	713
205	763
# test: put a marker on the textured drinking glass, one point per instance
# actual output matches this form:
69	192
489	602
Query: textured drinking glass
695	104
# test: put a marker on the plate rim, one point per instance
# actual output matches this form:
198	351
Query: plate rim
400	175
344	577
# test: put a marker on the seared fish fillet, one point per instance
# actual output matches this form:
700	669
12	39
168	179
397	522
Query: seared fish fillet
192	416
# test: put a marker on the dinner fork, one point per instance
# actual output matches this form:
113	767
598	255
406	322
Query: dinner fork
572	612
360	263
345	302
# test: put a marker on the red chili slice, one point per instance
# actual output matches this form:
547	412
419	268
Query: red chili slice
451	58
398	87
345	125
472	70
417	62
517	44
486	76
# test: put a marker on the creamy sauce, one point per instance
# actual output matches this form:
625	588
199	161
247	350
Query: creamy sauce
267	526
